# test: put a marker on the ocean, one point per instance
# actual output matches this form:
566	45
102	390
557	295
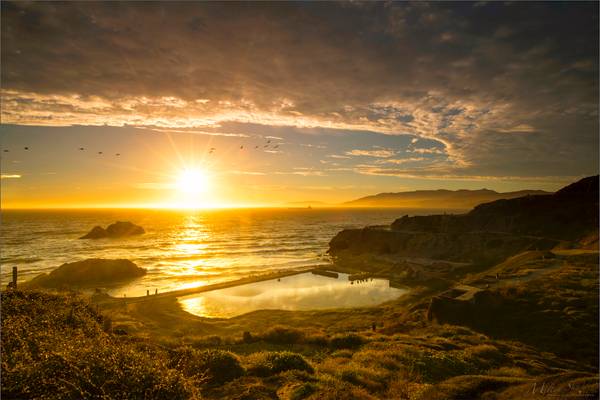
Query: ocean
181	249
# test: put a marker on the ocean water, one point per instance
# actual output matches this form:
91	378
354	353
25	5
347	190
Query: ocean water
181	248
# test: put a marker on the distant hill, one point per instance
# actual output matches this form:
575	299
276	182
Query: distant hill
465	199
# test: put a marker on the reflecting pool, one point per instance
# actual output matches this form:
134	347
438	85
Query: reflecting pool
305	291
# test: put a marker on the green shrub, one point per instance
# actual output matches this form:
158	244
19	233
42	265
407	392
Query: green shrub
335	389
317	340
368	377
303	391
349	341
269	363
53	345
434	366
485	355
283	335
211	366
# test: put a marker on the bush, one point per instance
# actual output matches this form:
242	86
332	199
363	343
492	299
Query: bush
434	366
485	354
247	337
211	366
349	341
283	335
269	363
54	346
303	391
317	340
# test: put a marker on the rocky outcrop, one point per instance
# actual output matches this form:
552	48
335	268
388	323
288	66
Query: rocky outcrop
117	230
569	214
88	273
489	233
477	247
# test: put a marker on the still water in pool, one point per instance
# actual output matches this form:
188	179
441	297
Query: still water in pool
304	291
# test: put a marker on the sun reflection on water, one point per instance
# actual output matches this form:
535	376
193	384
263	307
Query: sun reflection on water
298	292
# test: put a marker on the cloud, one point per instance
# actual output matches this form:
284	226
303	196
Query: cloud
521	128
431	150
372	153
10	176
437	71
401	160
302	171
236	172
199	132
337	156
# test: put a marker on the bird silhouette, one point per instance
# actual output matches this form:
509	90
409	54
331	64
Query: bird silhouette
266	145
269	141
26	148
81	148
99	152
118	154
256	147
6	150
241	147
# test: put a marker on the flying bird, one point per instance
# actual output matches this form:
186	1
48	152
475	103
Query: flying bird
269	141
26	148
99	152
118	154
81	148
256	147
241	147
6	150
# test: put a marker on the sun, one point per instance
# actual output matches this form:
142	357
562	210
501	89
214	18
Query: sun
193	181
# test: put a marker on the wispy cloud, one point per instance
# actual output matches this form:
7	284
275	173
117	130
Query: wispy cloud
10	176
372	153
338	156
431	150
401	160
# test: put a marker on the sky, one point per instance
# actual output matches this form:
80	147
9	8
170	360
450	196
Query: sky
319	102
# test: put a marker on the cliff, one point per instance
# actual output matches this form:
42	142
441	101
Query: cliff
490	232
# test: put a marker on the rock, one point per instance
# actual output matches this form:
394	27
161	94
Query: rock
97	232
117	230
88	273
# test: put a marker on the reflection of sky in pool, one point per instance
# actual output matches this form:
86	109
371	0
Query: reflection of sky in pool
298	292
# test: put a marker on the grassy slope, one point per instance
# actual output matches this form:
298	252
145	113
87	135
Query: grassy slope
50	343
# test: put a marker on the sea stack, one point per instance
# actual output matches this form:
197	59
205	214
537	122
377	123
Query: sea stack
117	230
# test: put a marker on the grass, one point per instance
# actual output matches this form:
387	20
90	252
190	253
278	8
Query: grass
56	345
60	344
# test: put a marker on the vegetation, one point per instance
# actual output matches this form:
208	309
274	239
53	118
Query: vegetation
55	344
528	330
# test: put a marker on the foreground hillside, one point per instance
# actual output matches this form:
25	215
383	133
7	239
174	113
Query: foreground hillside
534	333
59	344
